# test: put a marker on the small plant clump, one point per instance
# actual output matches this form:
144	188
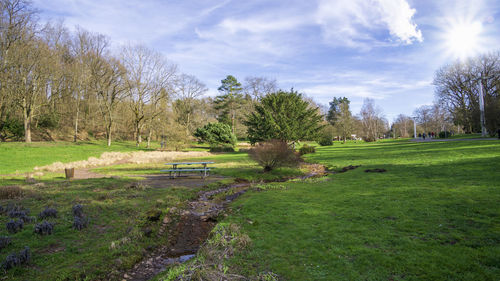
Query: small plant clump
77	210
21	214
48	213
44	228
4	242
274	154
15	259
13	226
305	149
80	223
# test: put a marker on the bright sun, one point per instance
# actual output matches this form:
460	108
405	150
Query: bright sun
463	39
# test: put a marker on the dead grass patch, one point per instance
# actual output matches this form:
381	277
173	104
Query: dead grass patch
11	192
110	158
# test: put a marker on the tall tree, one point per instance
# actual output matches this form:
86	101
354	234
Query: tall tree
257	87
150	81
457	88
229	101
403	126
17	30
110	91
187	89
372	121
335	109
285	116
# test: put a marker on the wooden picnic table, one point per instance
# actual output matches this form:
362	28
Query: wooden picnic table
176	171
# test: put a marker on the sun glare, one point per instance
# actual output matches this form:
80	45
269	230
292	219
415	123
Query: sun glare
463	39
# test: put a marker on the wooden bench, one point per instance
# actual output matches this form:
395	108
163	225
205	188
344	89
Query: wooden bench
176	172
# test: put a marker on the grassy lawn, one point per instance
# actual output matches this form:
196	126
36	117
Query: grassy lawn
434	215
117	214
21	157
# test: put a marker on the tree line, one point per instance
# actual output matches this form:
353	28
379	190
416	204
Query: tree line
61	85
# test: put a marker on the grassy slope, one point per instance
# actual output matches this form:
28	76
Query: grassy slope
23	157
434	215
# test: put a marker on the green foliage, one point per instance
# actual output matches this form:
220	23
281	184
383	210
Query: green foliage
11	128
305	149
335	109
229	101
224	148
48	120
325	141
274	154
285	116
216	134
444	134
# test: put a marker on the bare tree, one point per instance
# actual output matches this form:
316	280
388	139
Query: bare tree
373	123
403	126
17	26
110	91
457	88
150	82
89	50
256	87
187	89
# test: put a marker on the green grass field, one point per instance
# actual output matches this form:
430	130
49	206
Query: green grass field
20	157
434	215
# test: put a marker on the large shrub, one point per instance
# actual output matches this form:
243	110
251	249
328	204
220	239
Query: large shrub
216	135
274	154
325	141
305	149
285	116
444	134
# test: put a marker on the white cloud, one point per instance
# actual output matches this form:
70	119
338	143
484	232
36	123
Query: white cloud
354	23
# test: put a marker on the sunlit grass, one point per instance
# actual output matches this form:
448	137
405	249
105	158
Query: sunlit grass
433	215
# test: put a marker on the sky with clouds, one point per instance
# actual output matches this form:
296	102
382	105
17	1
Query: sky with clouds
387	50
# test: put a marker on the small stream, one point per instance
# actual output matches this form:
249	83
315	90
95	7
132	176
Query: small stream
190	232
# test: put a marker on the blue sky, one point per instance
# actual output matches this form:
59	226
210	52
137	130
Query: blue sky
387	50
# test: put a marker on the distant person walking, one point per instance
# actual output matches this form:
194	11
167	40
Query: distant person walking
423	136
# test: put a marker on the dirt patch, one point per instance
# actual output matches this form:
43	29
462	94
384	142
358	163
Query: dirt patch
377	170
348	168
87	174
52	249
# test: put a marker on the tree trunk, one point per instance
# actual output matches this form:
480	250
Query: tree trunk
27	122
75	136
108	132
138	139
149	137
232	121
